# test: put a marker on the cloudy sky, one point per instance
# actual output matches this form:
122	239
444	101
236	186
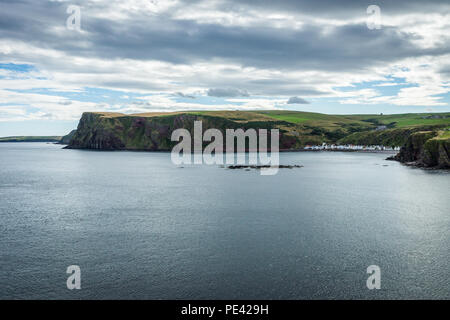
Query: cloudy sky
162	55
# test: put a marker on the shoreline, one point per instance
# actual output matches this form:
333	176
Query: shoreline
358	151
64	146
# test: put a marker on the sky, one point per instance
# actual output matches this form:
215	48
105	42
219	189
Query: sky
328	56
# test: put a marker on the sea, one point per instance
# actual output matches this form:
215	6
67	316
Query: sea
140	227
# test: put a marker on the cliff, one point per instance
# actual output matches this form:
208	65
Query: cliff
66	139
426	149
152	132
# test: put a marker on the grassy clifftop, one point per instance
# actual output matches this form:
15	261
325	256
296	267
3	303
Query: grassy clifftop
152	131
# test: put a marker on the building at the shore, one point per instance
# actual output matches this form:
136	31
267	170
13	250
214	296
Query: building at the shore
350	147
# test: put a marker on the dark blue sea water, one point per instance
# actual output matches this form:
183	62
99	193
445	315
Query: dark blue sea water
140	227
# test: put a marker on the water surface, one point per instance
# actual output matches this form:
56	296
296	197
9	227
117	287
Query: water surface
141	227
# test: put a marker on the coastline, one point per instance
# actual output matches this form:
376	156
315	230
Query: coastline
64	146
358	151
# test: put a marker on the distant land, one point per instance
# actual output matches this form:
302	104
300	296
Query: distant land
424	137
31	139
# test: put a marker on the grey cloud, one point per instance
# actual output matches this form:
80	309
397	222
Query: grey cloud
227	92
345	48
297	100
131	84
284	87
142	103
182	95
338	9
47	115
445	69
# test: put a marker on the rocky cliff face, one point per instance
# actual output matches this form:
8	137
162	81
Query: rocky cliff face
426	149
66	139
103	131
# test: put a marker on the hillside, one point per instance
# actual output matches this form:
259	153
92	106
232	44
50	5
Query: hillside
152	131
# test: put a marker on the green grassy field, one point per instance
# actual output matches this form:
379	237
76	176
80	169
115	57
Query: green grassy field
408	120
331	121
319	119
443	135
